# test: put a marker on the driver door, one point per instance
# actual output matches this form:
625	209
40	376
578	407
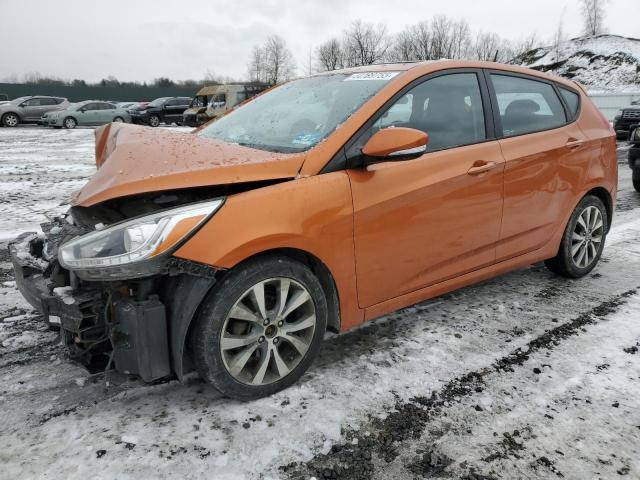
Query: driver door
423	221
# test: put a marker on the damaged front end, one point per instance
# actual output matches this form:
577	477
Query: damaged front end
116	293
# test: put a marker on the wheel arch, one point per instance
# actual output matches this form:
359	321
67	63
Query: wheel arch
319	269
184	296
70	116
604	195
4	114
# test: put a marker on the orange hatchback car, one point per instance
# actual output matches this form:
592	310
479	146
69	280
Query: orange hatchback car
316	206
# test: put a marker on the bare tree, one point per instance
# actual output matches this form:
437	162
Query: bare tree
421	37
278	60
593	13
365	44
558	38
257	65
330	55
487	47
403	48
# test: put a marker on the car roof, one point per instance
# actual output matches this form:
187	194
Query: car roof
445	64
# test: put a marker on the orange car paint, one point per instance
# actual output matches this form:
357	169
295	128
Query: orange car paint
391	234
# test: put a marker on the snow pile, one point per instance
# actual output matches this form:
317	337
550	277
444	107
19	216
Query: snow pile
607	62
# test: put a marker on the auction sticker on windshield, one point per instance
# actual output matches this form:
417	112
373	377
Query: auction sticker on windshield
371	76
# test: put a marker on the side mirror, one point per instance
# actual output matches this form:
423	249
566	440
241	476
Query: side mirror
396	143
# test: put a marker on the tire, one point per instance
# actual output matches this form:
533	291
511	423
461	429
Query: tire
247	358
118	120
69	123
579	251
635	176
10	120
154	120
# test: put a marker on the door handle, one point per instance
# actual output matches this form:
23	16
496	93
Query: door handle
480	167
574	143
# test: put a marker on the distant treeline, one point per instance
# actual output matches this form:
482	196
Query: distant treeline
109	88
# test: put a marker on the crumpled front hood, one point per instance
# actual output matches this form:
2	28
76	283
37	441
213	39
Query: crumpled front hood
133	159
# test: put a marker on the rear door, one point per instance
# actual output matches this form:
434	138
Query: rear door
545	156
423	221
106	113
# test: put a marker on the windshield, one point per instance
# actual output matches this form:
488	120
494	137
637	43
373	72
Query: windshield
297	115
15	101
158	102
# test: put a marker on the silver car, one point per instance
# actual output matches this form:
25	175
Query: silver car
29	109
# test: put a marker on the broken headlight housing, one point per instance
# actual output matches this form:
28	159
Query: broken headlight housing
134	248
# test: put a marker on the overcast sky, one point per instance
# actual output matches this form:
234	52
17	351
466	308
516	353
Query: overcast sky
180	39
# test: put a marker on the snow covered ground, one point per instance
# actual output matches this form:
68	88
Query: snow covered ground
524	376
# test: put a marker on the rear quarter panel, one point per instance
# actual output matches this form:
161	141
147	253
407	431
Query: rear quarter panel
603	167
313	214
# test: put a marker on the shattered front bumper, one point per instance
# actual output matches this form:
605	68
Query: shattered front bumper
32	281
139	325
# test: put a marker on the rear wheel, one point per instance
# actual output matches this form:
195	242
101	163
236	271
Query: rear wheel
10	120
583	239
118	120
154	120
636	180
69	123
259	330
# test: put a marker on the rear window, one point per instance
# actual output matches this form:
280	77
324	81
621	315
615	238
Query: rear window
572	100
526	105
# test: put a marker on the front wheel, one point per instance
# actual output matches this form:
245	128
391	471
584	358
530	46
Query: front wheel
583	239
154	120
10	120
259	330
69	123
636	179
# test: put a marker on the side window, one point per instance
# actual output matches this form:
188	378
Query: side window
448	108
219	100
48	101
526	106
33	102
170	103
106	106
90	107
572	100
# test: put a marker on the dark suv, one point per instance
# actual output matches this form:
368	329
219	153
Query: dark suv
162	110
627	117
634	155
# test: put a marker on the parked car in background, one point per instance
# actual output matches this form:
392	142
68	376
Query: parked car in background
162	110
634	155
29	109
87	113
125	104
216	100
323	203
625	118
4	98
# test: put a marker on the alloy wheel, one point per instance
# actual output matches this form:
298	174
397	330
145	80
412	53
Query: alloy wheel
154	121
268	331
11	120
69	123
587	236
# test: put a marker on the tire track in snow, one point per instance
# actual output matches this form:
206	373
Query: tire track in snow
357	457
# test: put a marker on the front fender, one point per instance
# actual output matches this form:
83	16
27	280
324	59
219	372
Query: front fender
312	214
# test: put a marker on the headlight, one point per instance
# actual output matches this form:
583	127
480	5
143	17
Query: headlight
128	249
